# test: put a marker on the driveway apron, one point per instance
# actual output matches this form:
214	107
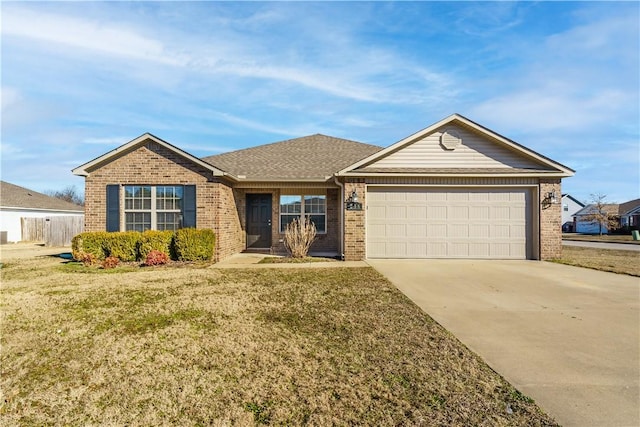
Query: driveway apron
566	336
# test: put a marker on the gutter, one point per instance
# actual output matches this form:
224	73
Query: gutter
341	185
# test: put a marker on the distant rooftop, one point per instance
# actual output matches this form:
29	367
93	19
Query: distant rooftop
14	196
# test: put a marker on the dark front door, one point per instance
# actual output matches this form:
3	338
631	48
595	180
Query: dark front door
258	221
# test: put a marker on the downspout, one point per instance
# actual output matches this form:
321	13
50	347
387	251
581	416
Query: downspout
341	185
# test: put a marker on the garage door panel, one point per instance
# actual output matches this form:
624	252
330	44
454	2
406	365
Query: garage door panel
418	231
437	212
458	231
416	212
458	212
448	223
437	230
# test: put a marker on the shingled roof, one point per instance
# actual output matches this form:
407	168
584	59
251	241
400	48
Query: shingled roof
14	196
313	157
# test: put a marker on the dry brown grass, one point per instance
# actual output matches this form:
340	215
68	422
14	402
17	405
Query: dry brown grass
612	260
202	346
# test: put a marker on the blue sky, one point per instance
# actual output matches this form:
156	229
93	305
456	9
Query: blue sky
79	79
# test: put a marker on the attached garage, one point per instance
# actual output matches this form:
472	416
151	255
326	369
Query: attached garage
454	190
418	222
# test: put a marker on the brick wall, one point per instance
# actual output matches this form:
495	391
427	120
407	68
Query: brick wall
229	230
354	223
550	220
153	164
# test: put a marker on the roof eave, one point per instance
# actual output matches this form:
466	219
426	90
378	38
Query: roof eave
457	175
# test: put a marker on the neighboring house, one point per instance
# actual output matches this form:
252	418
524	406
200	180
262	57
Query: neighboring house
630	214
570	206
453	190
583	223
18	202
625	214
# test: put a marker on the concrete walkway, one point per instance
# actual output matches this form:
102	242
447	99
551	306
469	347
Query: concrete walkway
566	336
603	245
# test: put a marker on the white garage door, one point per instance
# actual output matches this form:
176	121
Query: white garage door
448	223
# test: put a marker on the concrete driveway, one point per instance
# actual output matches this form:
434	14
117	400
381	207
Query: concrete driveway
566	336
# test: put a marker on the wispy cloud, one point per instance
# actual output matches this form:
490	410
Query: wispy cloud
81	78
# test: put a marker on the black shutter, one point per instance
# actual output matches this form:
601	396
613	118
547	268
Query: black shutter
189	210
113	208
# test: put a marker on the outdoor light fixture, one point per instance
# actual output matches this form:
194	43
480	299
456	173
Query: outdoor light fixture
352	203
550	198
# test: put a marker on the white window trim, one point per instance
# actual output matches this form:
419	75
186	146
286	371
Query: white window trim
302	213
153	211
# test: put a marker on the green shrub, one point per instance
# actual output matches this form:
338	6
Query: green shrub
92	242
152	240
191	244
123	245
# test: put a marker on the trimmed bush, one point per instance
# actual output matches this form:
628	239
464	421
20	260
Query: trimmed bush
123	245
156	258
191	244
86	259
152	240
110	262
93	243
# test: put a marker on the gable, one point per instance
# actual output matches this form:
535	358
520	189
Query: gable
149	163
474	151
153	143
457	146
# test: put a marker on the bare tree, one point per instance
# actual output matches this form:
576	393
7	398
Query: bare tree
602	213
68	194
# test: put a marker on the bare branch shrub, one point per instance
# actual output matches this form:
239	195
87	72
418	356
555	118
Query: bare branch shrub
299	236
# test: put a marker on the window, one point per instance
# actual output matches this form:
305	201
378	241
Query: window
565	207
149	207
313	207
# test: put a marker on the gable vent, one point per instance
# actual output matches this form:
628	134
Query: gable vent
450	139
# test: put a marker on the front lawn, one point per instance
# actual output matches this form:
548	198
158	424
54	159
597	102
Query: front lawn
611	260
202	346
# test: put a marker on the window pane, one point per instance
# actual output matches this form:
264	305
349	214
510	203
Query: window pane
137	221
290	204
168	198
314	204
285	220
168	221
320	222
137	197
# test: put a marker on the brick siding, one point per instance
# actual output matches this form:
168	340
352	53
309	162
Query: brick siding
550	220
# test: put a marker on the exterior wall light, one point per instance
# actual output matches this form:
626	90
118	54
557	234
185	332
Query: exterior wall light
352	203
